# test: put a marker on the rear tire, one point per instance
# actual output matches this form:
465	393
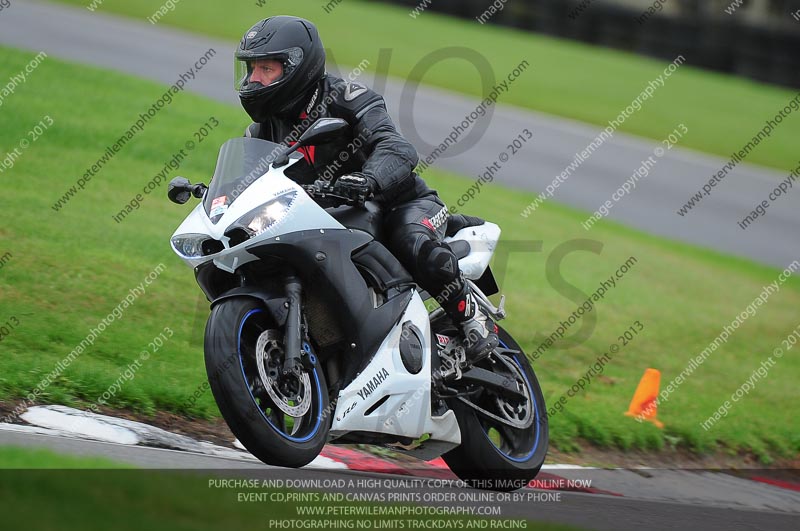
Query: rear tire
273	436
493	456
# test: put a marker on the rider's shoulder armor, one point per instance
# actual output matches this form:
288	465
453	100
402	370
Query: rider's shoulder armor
351	100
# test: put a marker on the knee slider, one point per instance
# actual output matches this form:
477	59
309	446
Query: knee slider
437	262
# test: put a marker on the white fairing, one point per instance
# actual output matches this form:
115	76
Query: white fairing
304	214
405	398
483	241
407	411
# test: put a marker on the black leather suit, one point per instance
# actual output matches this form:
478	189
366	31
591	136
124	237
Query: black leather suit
415	218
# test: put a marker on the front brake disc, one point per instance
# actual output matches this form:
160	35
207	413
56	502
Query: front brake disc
269	360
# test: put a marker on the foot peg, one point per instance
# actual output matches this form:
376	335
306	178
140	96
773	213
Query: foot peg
477	348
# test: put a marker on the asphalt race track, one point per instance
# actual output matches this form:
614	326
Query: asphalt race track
586	511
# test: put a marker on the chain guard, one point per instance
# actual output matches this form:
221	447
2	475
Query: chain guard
516	424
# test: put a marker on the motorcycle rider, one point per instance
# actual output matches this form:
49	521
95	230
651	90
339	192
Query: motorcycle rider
284	87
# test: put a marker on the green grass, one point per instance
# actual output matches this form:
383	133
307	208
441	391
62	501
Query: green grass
566	78
12	457
69	269
43	490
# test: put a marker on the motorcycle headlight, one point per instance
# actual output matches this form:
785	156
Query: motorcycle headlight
262	218
189	245
195	245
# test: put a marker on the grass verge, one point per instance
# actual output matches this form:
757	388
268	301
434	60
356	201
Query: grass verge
69	269
15	458
566	78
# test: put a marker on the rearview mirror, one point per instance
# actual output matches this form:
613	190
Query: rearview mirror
180	190
322	131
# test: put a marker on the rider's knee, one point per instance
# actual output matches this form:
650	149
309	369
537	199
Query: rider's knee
437	263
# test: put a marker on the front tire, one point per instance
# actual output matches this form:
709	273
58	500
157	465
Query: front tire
243	348
492	455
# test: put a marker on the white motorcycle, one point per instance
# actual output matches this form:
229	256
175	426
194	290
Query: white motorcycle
318	335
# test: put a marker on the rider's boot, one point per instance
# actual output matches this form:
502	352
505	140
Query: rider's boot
479	332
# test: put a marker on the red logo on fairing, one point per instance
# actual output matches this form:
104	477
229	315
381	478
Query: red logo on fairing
462	305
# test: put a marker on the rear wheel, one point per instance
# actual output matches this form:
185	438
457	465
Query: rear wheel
503	440
282	420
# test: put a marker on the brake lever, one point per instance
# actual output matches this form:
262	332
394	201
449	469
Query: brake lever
324	190
324	197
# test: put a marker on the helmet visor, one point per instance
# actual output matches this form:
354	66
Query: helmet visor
267	70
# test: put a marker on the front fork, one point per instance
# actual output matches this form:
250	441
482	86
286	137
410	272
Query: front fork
293	335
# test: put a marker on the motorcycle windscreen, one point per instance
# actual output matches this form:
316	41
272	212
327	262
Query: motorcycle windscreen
241	162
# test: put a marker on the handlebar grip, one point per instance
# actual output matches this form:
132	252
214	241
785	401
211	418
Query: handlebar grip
324	190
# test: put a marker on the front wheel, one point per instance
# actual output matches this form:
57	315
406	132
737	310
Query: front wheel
503	440
282	420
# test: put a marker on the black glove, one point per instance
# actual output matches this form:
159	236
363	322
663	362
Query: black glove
356	186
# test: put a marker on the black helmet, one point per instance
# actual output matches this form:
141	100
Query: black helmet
296	44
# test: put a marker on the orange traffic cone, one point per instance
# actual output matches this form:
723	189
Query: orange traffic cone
644	405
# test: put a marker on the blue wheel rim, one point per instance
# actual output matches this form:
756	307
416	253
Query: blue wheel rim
536	419
318	423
